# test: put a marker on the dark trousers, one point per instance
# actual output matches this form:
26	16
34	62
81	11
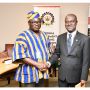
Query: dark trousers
42	83
64	83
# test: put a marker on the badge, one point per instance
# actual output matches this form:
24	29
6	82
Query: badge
47	18
76	40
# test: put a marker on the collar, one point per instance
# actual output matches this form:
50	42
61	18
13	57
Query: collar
73	34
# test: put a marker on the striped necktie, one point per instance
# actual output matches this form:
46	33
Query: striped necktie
69	42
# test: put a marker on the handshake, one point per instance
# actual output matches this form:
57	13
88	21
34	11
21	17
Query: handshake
43	66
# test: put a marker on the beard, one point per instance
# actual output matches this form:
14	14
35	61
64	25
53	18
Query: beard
36	31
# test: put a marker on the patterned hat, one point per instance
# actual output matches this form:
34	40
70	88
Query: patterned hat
32	15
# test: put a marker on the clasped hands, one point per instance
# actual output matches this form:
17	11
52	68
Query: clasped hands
42	66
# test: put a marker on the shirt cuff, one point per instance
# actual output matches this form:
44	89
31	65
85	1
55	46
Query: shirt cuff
48	64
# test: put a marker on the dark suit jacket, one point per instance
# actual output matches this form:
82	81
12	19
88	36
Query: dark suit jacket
74	65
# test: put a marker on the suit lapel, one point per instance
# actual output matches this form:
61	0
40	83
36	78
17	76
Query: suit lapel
65	43
75	42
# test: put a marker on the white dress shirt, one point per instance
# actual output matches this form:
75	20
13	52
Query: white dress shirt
73	36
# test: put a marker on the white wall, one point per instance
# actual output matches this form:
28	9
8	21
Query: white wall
82	12
13	19
12	22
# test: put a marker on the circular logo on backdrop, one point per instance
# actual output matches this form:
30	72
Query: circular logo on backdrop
47	18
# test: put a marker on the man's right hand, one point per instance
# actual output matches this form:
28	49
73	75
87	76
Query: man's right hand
42	66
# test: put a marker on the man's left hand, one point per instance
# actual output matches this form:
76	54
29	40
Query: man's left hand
83	83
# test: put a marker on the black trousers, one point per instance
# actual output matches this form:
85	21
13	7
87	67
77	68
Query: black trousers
64	83
42	83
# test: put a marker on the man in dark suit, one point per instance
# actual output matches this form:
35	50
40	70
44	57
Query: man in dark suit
73	50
